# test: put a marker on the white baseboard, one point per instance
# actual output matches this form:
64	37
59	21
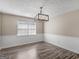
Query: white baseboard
12	40
69	43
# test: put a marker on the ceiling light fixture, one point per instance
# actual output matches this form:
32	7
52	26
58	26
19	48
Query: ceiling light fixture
41	17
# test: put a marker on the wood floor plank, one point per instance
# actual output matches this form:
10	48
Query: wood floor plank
40	50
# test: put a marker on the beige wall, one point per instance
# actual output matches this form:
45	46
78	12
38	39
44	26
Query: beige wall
66	24
9	24
0	23
40	27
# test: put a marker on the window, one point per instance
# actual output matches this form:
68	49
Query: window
26	28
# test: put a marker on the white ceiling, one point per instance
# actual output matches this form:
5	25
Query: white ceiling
31	7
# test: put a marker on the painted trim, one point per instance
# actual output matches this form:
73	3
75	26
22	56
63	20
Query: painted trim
66	42
13	40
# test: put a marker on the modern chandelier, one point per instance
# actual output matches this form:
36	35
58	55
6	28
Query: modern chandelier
42	17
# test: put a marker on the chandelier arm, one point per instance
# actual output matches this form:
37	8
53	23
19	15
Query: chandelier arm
41	10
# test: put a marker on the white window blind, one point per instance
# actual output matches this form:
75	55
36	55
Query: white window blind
26	28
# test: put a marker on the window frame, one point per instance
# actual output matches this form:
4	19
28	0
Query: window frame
25	29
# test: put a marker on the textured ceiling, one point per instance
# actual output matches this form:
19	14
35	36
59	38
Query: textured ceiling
31	7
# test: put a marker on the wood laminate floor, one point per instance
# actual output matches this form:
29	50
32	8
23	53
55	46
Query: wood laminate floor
40	50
